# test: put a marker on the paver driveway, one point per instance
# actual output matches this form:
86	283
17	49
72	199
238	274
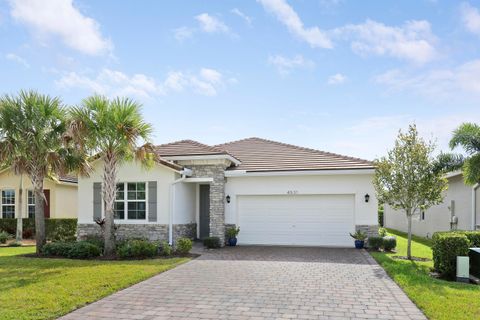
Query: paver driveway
263	283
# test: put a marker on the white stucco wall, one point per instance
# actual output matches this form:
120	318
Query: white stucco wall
356	184
437	218
128	172
185	203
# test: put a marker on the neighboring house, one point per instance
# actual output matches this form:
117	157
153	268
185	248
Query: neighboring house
278	194
61	196
460	210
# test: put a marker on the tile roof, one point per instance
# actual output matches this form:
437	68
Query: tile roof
261	155
187	148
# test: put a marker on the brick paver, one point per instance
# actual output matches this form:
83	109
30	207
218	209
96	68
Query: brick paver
263	283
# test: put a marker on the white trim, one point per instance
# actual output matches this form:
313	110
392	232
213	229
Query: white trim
244	173
204	157
474	205
196	180
172	208
453	174
125	201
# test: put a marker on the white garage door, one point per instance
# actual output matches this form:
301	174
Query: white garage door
311	220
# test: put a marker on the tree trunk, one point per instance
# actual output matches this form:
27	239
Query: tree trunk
37	182
19	236
409	243
109	191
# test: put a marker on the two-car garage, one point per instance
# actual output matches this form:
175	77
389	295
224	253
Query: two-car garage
311	220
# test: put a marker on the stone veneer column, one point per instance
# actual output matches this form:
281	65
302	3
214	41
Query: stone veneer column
217	196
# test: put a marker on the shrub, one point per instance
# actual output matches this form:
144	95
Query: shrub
83	250
4	236
212	242
165	249
232	232
359	235
28	233
382	232
446	247
375	242
473	237
15	244
137	249
55	229
389	243
184	245
381	215
72	250
95	240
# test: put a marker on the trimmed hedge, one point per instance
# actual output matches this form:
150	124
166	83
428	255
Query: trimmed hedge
375	242
55	229
72	250
137	249
389	243
446	247
165	249
212	242
183	245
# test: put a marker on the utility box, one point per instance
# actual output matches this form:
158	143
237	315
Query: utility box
463	269
474	254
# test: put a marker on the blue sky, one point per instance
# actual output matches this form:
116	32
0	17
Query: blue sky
340	76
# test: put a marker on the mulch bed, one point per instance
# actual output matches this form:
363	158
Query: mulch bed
412	259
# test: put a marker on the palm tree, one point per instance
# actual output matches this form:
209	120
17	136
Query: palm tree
111	130
468	136
32	142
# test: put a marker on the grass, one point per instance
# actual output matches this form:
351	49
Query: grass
437	298
36	288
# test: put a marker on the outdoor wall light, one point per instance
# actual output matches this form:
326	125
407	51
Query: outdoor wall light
227	198
367	197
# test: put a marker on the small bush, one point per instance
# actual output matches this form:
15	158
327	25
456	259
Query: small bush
375	243
55	229
95	240
137	249
83	250
165	249
72	250
382	232
15	244
184	245
389	243
473	237
28	233
4	236
446	247
212	242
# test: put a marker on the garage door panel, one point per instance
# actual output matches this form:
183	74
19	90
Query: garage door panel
296	220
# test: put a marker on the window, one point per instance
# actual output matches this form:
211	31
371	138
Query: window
31	204
8	203
133	206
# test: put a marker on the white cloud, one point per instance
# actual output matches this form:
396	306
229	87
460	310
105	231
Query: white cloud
109	82
337	78
286	65
414	41
470	18
183	33
17	59
247	19
315	37
62	19
436	83
211	24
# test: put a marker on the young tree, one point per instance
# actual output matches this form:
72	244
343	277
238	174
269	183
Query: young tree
406	178
32	128
468	137
111	130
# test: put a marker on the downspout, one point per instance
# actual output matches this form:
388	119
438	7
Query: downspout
474	205
172	206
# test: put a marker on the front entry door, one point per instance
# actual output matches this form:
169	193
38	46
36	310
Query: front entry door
204	211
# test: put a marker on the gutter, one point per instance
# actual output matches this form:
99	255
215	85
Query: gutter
474	206
184	174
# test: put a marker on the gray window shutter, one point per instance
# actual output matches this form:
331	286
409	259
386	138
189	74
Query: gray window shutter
97	200
152	201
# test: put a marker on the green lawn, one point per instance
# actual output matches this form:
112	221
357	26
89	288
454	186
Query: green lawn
34	288
437	298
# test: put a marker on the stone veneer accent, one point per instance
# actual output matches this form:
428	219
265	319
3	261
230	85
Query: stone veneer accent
370	230
153	232
217	195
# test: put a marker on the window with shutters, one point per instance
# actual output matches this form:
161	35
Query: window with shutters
131	201
8	203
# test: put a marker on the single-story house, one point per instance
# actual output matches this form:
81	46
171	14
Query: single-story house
60	195
460	210
278	194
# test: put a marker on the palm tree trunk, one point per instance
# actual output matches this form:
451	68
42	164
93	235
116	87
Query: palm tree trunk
409	243
109	191
40	238
19	236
